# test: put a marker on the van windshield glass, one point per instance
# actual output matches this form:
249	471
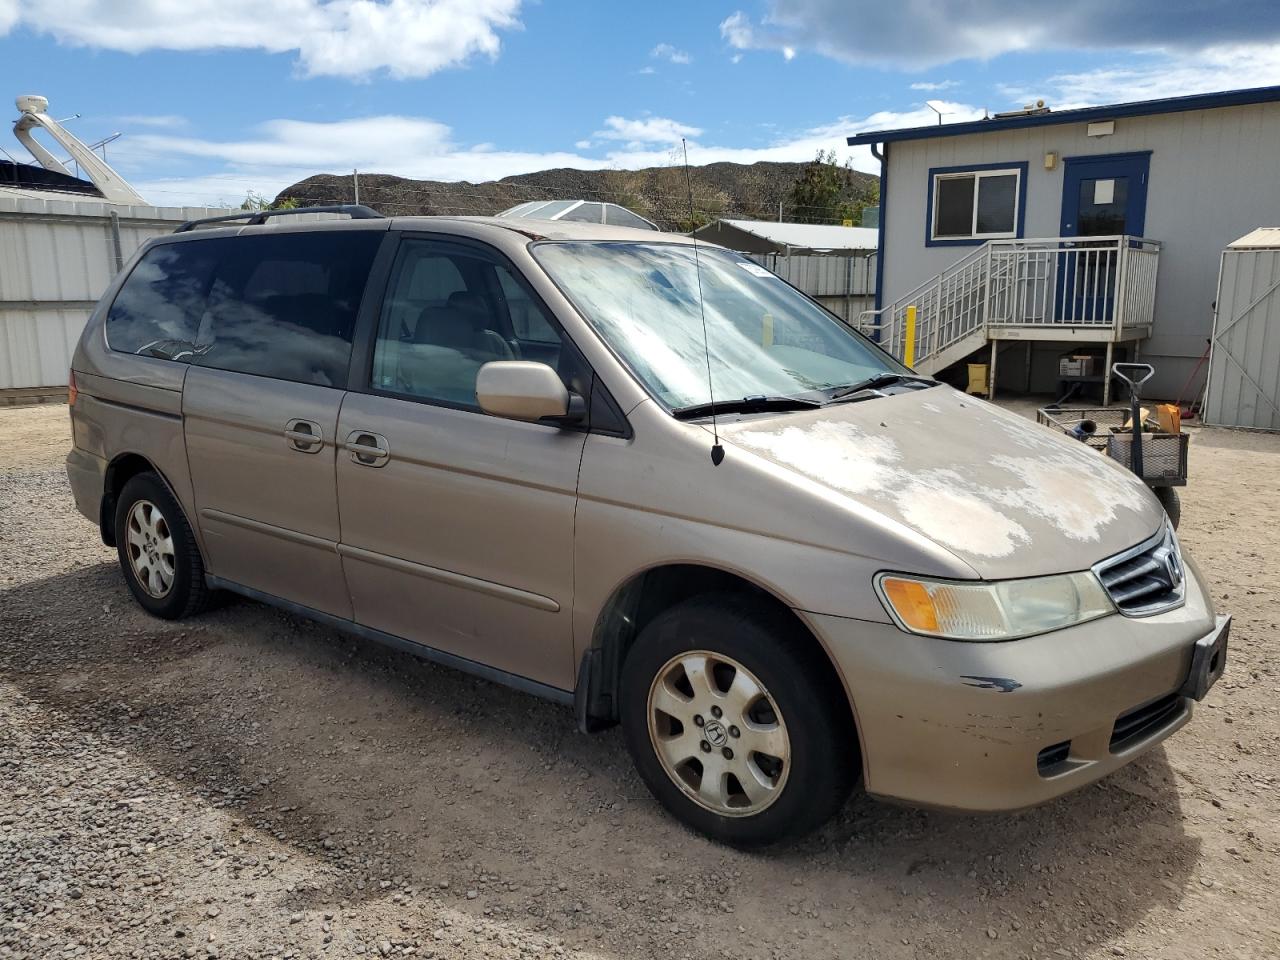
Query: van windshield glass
765	338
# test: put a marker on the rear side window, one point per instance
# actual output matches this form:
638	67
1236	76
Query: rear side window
158	310
275	305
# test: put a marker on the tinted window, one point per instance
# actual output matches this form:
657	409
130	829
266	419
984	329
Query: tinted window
434	350
158	310
954	214
528	322
621	217
585	213
997	203
278	305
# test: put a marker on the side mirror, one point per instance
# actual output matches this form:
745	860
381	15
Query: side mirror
525	390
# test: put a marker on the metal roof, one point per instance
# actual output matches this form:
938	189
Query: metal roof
1138	108
797	236
1263	237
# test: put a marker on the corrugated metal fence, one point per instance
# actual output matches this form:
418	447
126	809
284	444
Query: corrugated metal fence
56	259
1244	367
844	285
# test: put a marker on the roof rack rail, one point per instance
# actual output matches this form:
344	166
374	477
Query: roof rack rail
356	211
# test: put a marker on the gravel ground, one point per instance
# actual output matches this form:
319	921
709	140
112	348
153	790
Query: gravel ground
248	785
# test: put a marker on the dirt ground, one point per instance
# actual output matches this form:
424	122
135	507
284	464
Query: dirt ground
248	785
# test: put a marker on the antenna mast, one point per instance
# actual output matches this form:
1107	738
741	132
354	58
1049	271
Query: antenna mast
717	451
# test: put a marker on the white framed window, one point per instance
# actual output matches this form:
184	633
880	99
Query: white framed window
975	204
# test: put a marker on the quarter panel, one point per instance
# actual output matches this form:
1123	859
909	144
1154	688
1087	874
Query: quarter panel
116	417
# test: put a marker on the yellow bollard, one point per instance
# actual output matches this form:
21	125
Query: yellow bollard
909	348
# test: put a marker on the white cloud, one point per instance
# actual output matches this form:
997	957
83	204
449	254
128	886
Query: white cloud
648	130
176	170
921	33
935	86
348	38
665	51
645	71
162	120
737	30
1154	76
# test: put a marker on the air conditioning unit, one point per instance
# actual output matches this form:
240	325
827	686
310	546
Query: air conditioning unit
1028	110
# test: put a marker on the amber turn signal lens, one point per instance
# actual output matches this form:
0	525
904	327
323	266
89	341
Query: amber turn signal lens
912	602
72	392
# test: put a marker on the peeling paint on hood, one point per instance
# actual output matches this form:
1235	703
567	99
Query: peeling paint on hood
1007	496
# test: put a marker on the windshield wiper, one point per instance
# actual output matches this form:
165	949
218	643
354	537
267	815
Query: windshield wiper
878	381
744	405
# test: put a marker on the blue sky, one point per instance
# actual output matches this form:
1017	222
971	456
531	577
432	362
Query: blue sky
218	97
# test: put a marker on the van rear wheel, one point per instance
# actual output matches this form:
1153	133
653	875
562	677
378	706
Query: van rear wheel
736	723
158	553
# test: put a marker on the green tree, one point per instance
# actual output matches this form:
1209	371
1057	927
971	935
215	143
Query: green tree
828	192
256	201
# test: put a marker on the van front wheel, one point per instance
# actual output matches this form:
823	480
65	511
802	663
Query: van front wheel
736	723
158	553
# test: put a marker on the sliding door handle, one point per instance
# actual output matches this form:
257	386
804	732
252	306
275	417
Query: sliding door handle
305	436
367	449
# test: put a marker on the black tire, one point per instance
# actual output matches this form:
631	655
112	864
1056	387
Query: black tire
187	593
824	760
1172	504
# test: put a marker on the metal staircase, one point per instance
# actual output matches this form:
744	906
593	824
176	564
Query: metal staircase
1098	289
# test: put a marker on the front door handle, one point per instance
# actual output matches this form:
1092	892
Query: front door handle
305	436
367	449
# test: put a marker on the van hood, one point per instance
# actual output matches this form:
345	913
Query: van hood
1008	497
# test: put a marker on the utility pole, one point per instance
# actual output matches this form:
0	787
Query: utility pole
355	184
779	211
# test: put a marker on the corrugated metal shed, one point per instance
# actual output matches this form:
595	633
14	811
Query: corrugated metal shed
1244	363
1263	237
57	256
765	236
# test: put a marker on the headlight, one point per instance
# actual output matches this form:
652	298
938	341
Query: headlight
999	610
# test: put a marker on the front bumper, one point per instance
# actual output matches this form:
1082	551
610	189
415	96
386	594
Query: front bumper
982	726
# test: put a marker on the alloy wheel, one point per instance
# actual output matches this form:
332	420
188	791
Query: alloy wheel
150	547
718	734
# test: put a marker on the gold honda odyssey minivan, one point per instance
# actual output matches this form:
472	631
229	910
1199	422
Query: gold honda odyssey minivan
646	478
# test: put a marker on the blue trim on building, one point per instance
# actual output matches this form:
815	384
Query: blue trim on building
1020	165
1140	108
884	220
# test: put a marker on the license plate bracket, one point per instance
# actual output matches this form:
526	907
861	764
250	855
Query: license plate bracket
1208	661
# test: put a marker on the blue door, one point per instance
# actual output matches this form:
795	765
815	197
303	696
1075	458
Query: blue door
1101	197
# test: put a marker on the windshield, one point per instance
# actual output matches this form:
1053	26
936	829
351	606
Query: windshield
765	338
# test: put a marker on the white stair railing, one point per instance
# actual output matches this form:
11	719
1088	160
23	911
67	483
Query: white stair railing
1093	283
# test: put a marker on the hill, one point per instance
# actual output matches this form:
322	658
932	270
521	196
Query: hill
735	190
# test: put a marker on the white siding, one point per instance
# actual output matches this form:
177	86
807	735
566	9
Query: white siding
56	259
1212	179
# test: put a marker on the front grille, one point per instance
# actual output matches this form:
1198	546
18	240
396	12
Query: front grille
1138	723
1145	579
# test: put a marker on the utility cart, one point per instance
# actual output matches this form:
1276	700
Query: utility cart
1161	456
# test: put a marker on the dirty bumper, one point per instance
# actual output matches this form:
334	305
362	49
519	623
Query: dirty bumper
1002	726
